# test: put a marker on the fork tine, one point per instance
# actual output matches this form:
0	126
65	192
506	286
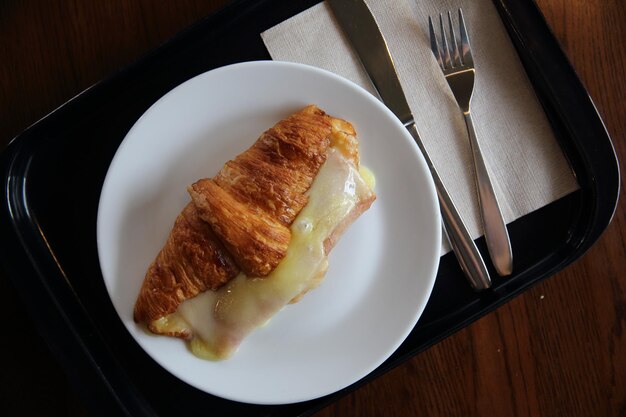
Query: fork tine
444	46
433	42
456	59
466	51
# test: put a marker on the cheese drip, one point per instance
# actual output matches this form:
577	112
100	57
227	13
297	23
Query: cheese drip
219	320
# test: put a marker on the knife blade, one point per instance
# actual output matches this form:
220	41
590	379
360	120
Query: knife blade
361	28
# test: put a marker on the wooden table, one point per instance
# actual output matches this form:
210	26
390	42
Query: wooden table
557	350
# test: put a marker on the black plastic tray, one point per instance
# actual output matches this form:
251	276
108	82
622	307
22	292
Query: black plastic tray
53	172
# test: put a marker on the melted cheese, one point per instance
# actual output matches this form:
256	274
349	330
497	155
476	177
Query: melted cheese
219	320
368	176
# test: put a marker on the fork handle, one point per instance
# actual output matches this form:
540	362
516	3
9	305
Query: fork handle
462	245
496	234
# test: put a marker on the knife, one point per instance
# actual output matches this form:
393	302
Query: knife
359	25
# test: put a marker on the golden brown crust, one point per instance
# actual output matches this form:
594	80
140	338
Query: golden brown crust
252	179
255	240
297	144
253	200
192	261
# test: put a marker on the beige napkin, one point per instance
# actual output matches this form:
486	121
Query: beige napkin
527	166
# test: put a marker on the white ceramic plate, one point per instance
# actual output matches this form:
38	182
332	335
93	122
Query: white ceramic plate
381	272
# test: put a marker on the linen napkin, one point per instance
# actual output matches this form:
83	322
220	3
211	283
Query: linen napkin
527	167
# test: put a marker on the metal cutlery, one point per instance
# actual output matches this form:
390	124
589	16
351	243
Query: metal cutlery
456	62
358	23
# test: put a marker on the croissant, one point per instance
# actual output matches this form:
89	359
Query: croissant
255	236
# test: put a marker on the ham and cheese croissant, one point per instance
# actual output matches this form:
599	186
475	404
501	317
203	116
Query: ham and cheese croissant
257	235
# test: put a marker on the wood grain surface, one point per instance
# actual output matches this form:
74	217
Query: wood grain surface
557	350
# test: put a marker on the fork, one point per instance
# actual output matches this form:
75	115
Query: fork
457	64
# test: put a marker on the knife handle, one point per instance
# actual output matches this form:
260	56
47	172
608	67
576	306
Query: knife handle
462	244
